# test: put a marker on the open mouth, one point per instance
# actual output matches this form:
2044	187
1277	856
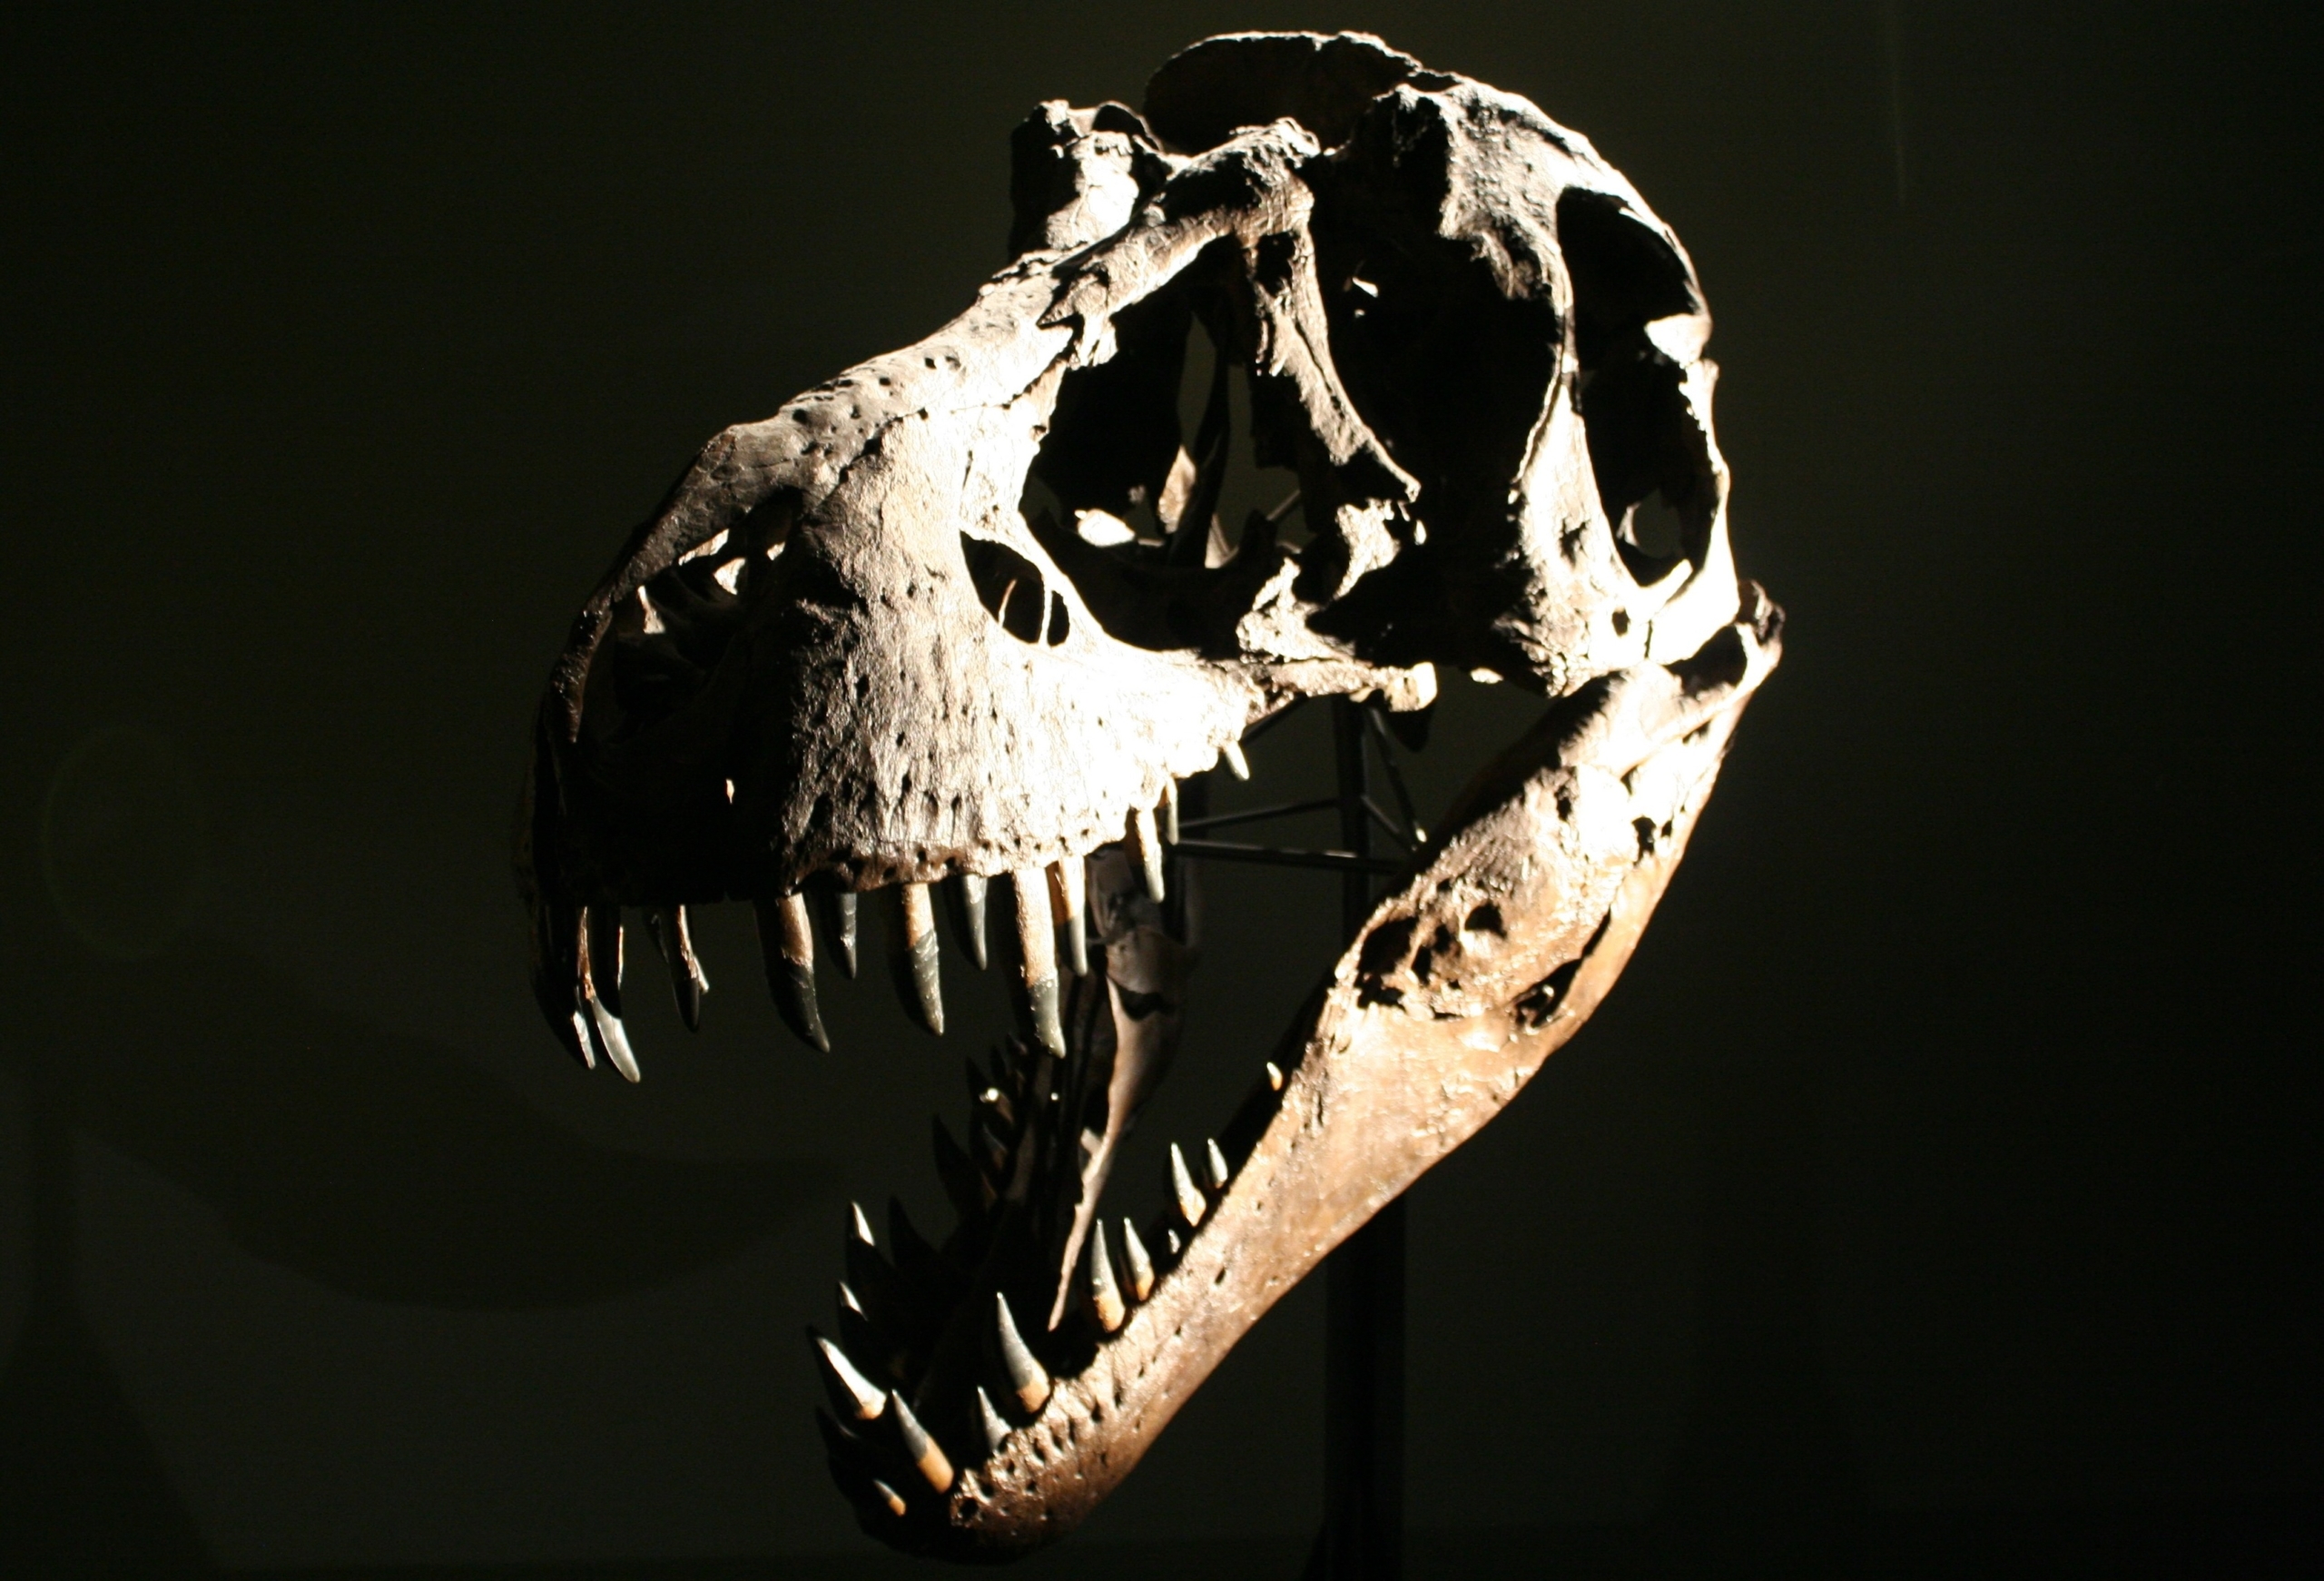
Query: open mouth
966	631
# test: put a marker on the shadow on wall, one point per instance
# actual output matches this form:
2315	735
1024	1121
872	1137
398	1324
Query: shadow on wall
385	1167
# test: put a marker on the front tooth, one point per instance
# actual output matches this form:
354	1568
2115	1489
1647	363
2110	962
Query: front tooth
1146	850
604	954
912	955
687	984
1236	764
1217	1162
837	912
1037	947
1169	812
1068	895
1104	1295
927	1457
996	1431
1192	1204
1141	1266
617	1042
1027	1379
968	915
865	1394
787	943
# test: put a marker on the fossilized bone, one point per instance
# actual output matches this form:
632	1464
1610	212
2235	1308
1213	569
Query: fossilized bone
966	613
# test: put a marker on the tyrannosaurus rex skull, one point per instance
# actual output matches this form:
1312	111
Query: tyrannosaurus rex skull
966	612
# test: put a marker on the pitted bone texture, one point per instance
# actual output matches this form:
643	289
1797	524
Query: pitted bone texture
970	611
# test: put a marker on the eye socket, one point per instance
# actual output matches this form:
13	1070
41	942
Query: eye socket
1014	592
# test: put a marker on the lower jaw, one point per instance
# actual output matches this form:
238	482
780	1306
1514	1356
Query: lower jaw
1379	1087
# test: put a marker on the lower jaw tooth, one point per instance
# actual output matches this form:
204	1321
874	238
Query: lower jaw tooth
1192	1204
1104	1295
1141	1266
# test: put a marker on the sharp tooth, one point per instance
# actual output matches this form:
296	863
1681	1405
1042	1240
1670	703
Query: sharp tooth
1141	1266
862	1226
1176	1245
1069	897
1145	849
847	1300
1169	812
1192	1204
674	934
996	1431
853	1386
890	1497
1274	1076
1236	764
1037	947
788	946
1104	1295
1217	1162
617	1042
927	1457
586	1040
604	954
1027	1379
912	955
835	910
968	915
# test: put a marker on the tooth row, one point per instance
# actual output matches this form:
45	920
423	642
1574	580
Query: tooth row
1052	920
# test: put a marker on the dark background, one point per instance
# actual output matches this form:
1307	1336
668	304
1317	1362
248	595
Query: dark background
1930	1198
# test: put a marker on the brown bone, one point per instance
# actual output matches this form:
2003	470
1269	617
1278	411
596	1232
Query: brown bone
969	610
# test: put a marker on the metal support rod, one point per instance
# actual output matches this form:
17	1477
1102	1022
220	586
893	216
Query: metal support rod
1363	1537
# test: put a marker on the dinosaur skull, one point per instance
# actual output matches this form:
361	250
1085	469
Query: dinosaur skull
966	613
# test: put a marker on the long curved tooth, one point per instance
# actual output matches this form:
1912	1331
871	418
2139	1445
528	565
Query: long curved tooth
996	1431
967	896
1146	850
927	1456
787	943
1169	812
604	954
675	936
912	955
1236	764
1216	1161
1037	948
865	1397
617	1042
836	909
1027	1379
1068	894
1141	1266
1192	1203
1104	1295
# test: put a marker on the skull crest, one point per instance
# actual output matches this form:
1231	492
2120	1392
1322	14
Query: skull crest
967	612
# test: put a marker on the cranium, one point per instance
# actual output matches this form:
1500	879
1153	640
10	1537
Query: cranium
964	613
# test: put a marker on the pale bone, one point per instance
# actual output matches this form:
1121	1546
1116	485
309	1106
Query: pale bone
921	674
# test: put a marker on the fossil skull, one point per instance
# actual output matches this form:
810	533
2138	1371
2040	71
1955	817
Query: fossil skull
966	613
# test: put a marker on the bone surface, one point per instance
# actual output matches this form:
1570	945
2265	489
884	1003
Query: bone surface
971	610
